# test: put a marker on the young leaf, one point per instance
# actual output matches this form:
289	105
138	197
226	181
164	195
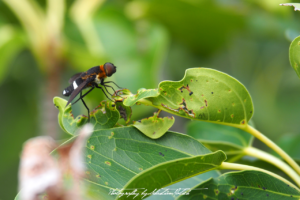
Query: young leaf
173	171
142	93
115	156
229	139
243	185
154	127
295	55
104	116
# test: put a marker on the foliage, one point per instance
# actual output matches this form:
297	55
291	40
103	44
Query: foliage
148	43
123	159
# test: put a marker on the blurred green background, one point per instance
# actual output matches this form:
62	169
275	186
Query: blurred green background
43	43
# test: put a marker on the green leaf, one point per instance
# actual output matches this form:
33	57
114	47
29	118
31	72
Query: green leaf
229	139
173	171
115	156
154	127
203	94
243	185
185	184
295	5
104	116
125	111
295	55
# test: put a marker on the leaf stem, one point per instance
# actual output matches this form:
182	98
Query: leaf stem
273	146
254	152
234	166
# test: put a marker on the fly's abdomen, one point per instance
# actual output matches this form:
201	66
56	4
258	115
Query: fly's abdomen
68	90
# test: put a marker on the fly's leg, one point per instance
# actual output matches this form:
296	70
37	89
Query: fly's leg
85	106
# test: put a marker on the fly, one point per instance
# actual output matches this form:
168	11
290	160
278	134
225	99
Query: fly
92	78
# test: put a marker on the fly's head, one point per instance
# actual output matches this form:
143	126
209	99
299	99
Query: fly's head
110	69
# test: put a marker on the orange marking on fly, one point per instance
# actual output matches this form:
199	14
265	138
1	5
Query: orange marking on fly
102	73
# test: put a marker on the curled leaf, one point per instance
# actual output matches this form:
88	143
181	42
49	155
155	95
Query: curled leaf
104	116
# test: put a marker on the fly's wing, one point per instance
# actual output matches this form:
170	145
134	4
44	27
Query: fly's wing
80	88
74	77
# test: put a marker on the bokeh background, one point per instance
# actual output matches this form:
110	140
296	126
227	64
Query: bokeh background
43	43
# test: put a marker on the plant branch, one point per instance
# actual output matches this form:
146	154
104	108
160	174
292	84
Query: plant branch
81	12
273	146
234	166
251	151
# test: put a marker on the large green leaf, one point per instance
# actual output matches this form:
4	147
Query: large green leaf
184	185
115	156
173	171
295	55
229	139
104	116
243	185
203	94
